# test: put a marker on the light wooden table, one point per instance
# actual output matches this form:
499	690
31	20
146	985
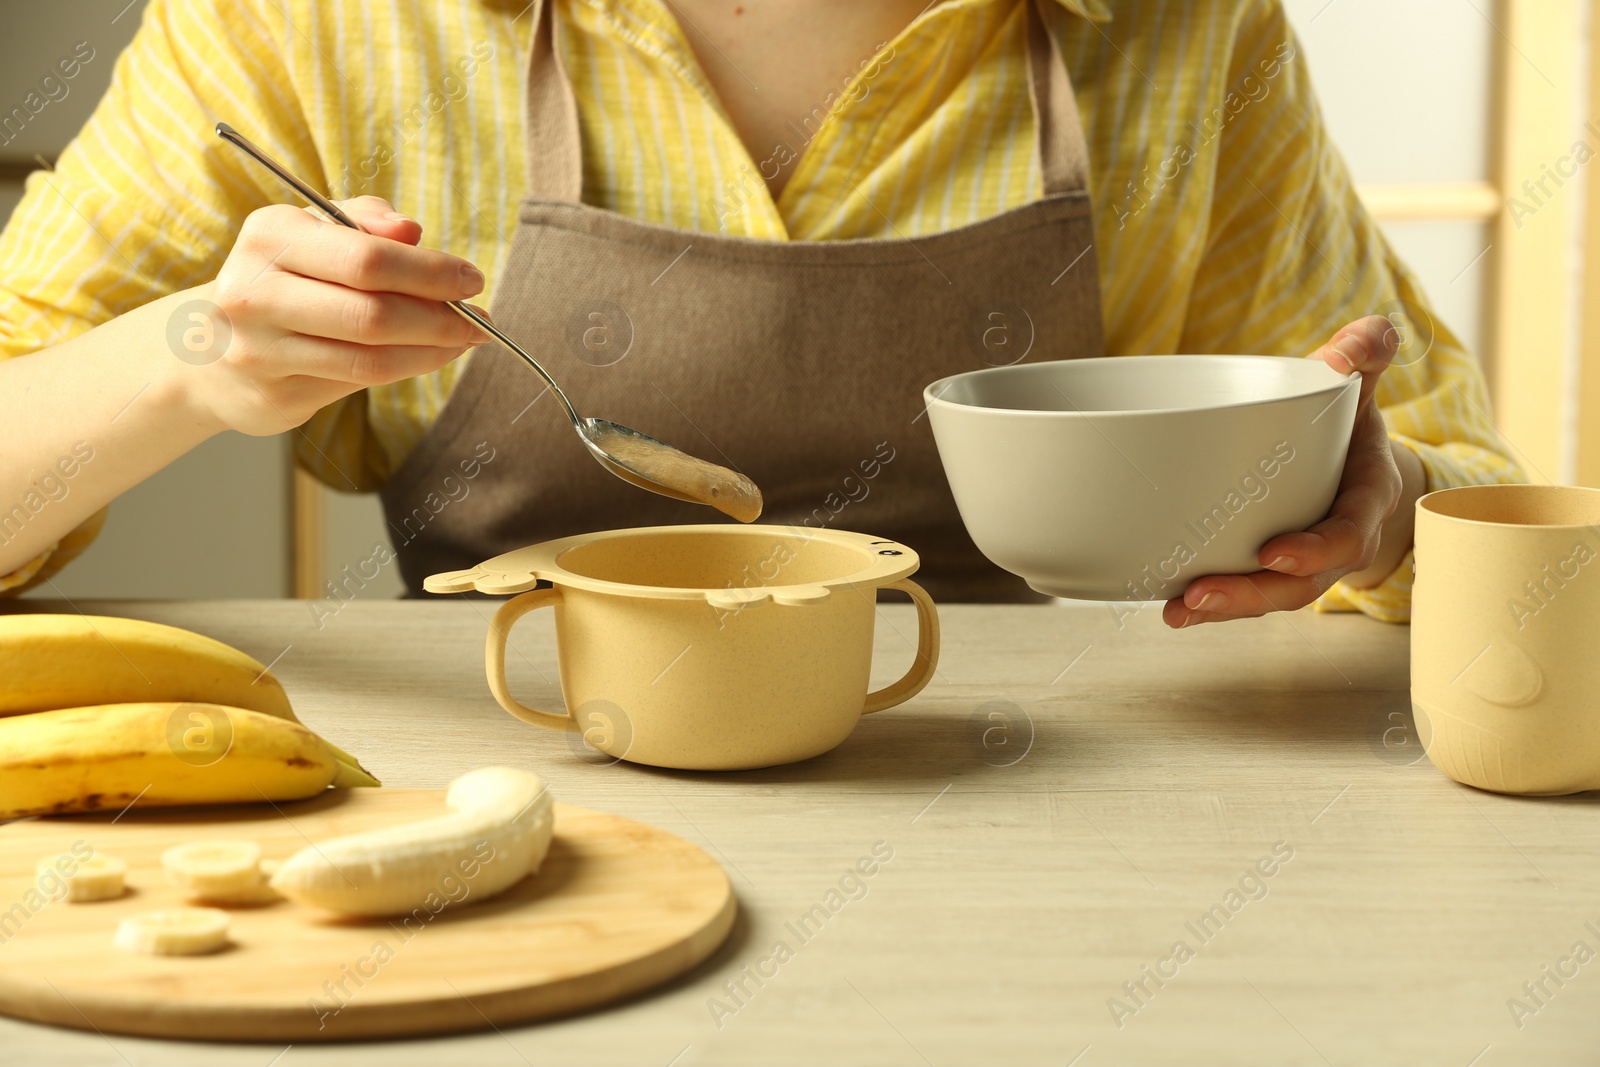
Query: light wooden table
1029	881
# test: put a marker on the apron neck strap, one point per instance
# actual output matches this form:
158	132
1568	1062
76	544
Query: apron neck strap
555	161
1063	152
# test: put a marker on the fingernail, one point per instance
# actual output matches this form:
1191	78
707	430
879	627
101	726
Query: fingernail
1212	601
1286	564
1192	617
1349	350
471	280
395	216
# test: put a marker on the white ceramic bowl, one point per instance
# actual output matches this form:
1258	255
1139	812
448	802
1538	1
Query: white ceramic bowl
1126	477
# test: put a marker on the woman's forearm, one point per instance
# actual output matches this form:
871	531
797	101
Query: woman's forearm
83	421
314	312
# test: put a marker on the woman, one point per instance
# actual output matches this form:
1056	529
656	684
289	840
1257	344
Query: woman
1105	179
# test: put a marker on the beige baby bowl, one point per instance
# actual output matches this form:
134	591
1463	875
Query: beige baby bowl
713	647
1505	679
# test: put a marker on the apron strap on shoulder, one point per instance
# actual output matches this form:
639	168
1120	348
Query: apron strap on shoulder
555	158
1063	153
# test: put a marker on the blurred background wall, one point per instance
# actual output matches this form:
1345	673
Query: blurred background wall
1441	107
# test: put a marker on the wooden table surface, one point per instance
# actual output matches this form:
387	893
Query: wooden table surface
1065	805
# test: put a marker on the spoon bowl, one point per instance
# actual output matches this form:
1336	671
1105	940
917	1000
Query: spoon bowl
641	460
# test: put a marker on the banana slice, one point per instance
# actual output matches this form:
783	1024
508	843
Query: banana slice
95	878
259	894
216	871
174	932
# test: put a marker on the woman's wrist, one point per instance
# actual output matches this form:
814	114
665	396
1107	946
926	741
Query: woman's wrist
184	333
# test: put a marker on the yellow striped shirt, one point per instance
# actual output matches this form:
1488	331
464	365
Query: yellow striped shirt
1225	218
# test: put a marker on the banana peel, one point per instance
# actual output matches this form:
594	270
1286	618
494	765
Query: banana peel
108	757
50	662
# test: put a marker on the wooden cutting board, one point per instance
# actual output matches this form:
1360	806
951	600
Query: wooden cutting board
616	908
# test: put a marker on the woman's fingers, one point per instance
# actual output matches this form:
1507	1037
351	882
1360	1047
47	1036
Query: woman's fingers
1346	539
1366	346
303	356
1300	566
377	216
318	310
379	265
1242	596
296	242
296	304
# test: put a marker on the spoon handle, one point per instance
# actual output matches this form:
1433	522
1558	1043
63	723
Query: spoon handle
336	214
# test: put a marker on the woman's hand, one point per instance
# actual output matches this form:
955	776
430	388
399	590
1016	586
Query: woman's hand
1368	529
311	311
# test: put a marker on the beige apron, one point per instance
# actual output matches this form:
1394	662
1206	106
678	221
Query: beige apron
800	363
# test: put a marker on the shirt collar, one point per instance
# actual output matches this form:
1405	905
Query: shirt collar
1093	10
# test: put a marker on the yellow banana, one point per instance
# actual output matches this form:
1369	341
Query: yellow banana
70	661
110	756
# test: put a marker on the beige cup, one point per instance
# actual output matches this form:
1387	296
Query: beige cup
1505	631
708	647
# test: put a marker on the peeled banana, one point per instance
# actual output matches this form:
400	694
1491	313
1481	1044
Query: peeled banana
69	661
173	931
497	832
95	758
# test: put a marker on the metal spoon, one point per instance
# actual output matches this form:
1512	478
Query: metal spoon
643	461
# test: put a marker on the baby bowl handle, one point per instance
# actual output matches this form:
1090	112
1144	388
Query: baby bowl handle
927	652
499	630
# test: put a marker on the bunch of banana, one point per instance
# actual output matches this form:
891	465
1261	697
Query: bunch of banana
97	711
